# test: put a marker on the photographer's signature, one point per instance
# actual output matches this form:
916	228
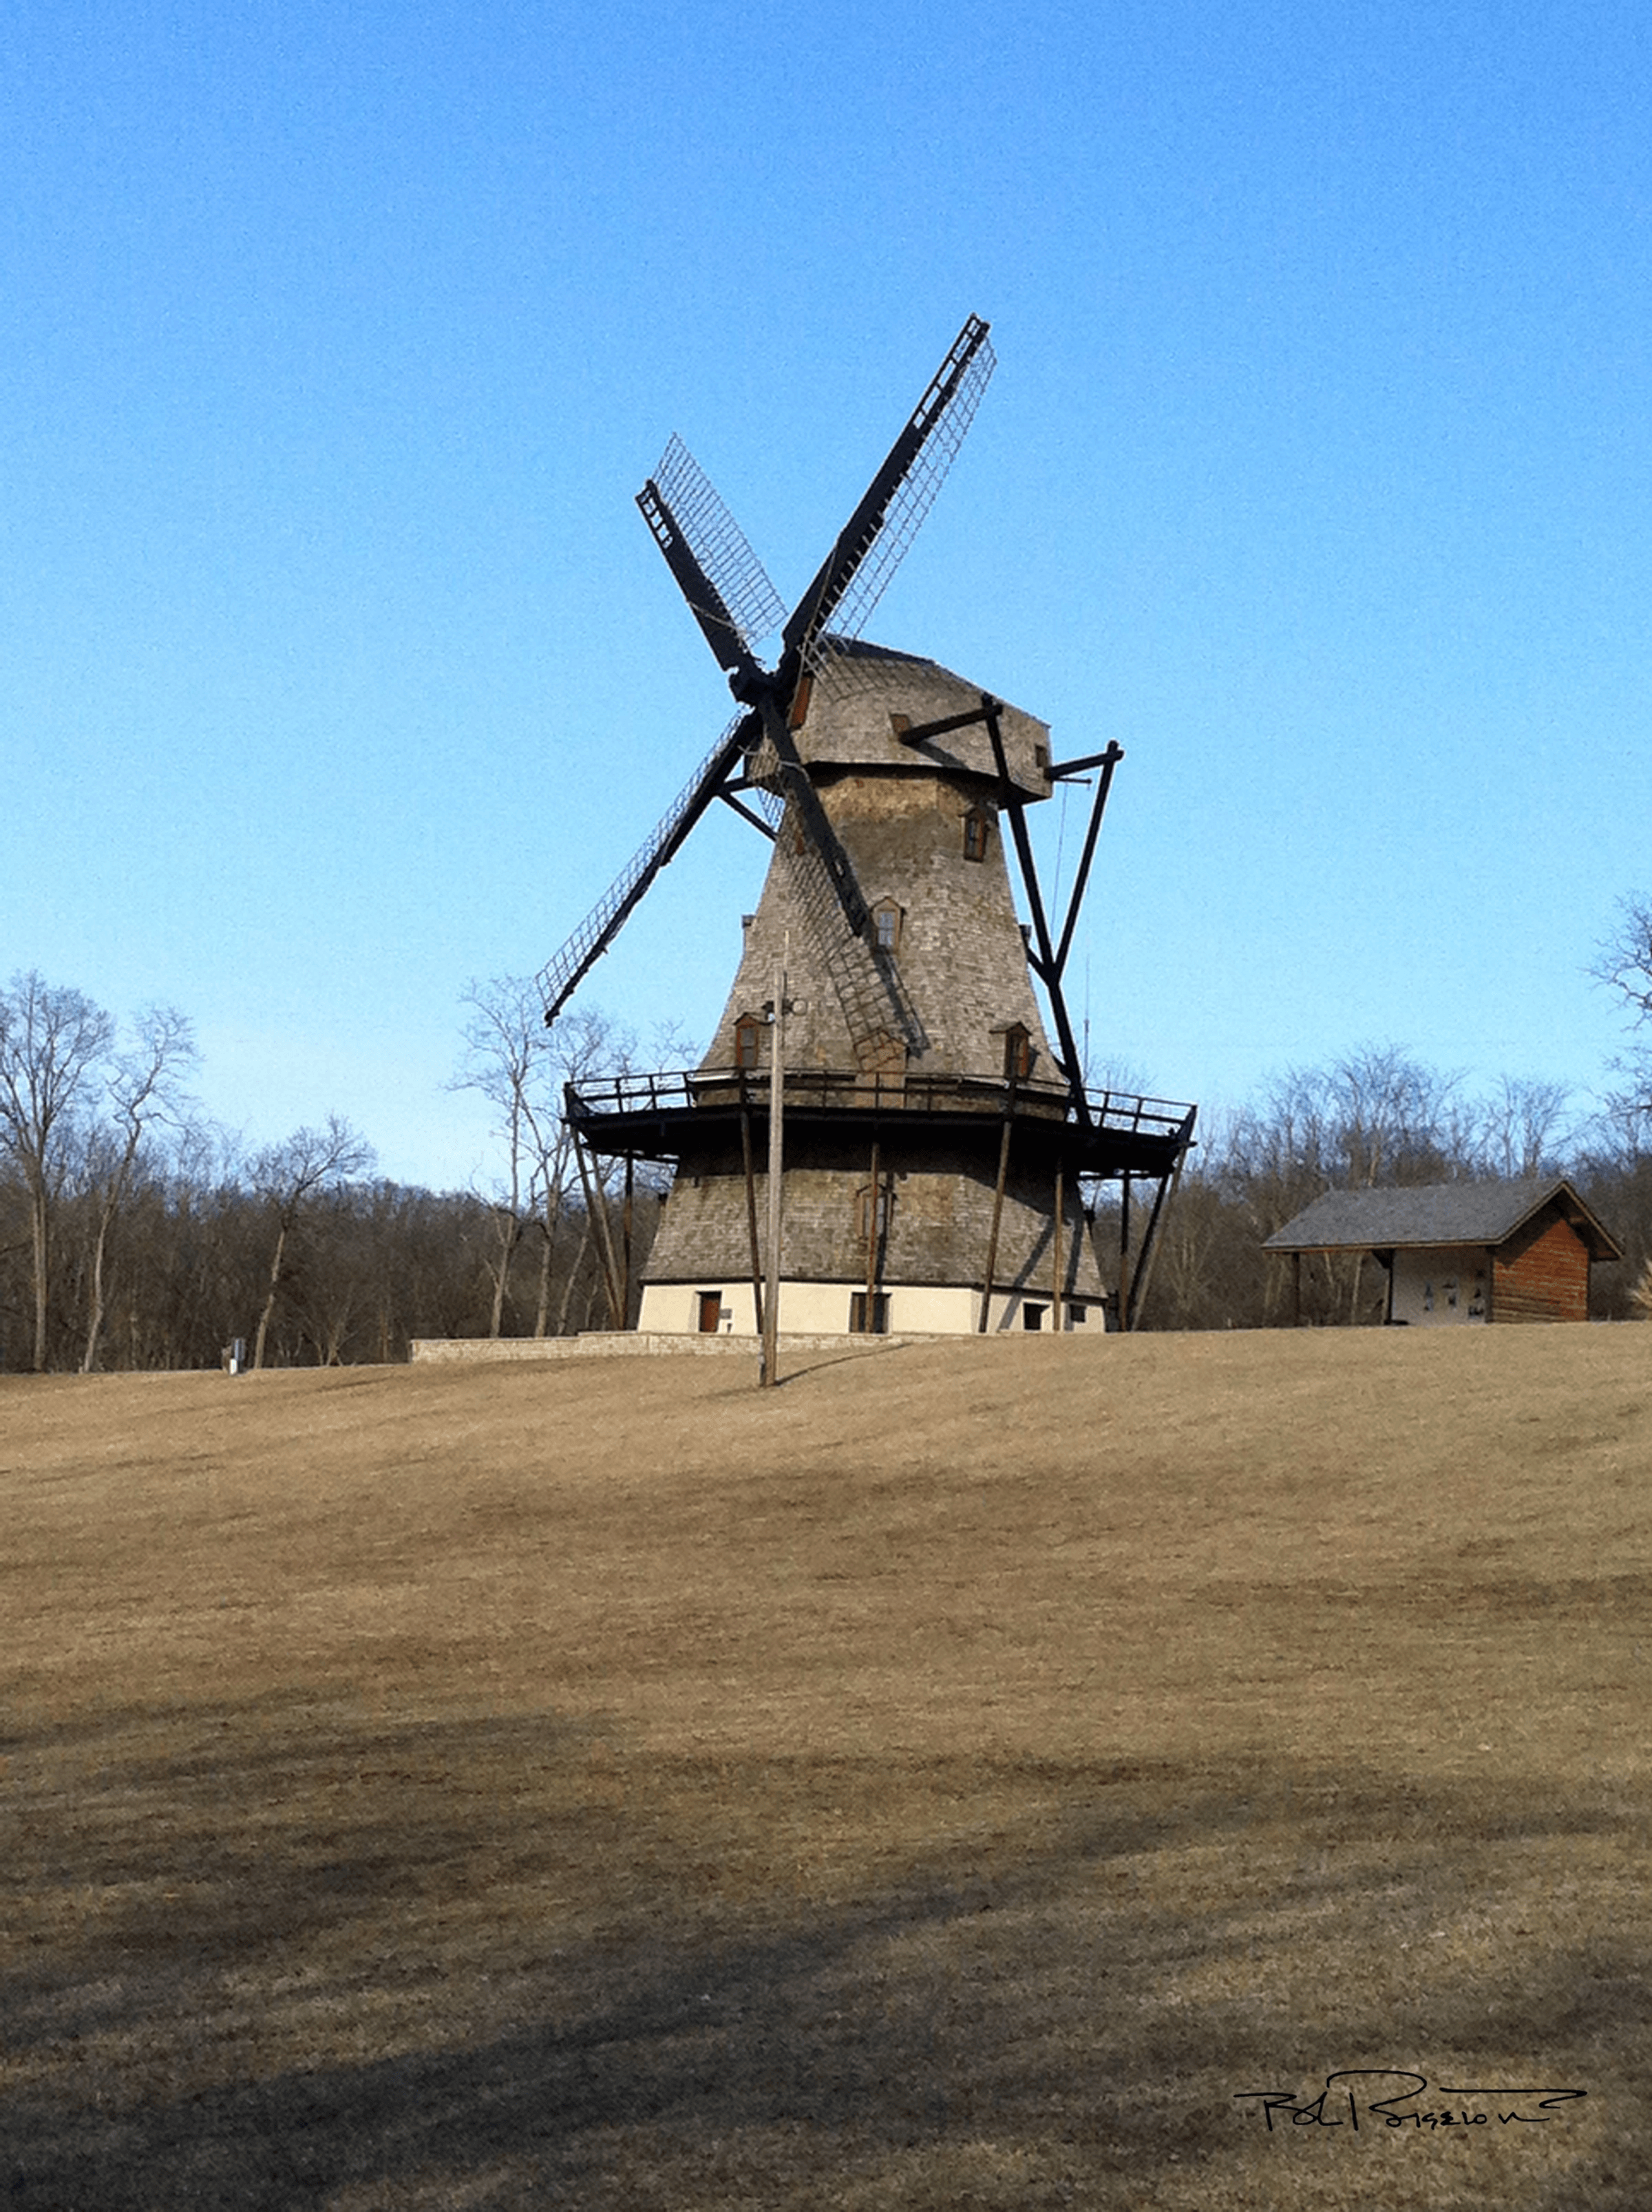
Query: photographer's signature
1349	2101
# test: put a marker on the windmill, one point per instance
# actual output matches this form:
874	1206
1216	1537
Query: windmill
938	1148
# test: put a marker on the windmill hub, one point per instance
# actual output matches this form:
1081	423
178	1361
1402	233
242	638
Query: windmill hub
937	1138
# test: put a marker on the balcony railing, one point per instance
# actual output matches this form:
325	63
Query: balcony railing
685	1090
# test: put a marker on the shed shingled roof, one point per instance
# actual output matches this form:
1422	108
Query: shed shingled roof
1437	1214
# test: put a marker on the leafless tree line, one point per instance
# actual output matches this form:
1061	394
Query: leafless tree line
1376	1116
134	1235
557	1218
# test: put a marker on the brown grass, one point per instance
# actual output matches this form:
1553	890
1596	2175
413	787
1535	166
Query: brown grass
948	1780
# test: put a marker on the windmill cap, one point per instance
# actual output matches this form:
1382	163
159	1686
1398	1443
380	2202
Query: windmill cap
864	700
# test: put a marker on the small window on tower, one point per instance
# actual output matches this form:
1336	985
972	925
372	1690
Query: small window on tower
976	830
747	1041
1017	1051
886	926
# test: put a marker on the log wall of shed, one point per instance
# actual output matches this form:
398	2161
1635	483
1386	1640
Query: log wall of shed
1541	1274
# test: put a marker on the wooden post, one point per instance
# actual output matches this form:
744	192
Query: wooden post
872	1245
625	1240
1150	1243
767	1375
1124	1252
1055	1285
751	1207
596	1210
998	1210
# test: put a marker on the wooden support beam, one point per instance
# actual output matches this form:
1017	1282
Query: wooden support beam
768	1372
1108	760
596	1210
1055	1270
625	1239
746	813
998	1210
1062	770
751	1205
920	734
872	1242
1043	964
1166	1189
1124	1252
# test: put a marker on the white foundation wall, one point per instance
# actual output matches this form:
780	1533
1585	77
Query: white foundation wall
1442	1286
825	1308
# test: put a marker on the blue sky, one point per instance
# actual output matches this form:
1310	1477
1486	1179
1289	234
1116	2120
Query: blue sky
337	667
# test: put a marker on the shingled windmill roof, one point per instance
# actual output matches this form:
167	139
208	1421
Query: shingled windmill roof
863	695
1437	1213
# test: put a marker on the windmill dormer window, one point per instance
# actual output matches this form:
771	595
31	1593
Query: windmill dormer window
1017	1051
886	926
747	1041
975	829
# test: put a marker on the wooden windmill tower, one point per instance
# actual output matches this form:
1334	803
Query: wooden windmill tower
938	1146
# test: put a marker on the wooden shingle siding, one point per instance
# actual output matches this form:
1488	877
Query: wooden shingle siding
937	1232
1542	1273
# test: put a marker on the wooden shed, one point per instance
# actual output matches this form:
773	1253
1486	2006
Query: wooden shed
1463	1252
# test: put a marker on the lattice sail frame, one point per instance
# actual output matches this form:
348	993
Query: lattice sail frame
559	977
875	1007
719	545
904	516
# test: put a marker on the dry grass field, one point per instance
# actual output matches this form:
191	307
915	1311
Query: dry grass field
954	1779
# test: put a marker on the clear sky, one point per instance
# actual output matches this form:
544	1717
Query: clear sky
338	668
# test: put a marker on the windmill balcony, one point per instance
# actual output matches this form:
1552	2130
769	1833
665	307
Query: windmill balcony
659	1115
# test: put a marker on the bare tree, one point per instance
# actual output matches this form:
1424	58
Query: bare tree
1522	1126
522	1068
1375	1116
286	1176
144	1088
1393	1119
52	1042
507	1059
1624	964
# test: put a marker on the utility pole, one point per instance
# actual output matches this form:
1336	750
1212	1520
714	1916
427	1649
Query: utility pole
766	1376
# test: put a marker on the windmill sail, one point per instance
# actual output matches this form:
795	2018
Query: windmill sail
562	977
874	540
680	495
737	607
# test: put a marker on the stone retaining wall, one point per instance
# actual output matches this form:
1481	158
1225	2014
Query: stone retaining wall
634	1343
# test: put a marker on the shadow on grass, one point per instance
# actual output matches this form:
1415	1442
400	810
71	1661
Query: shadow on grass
276	1956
